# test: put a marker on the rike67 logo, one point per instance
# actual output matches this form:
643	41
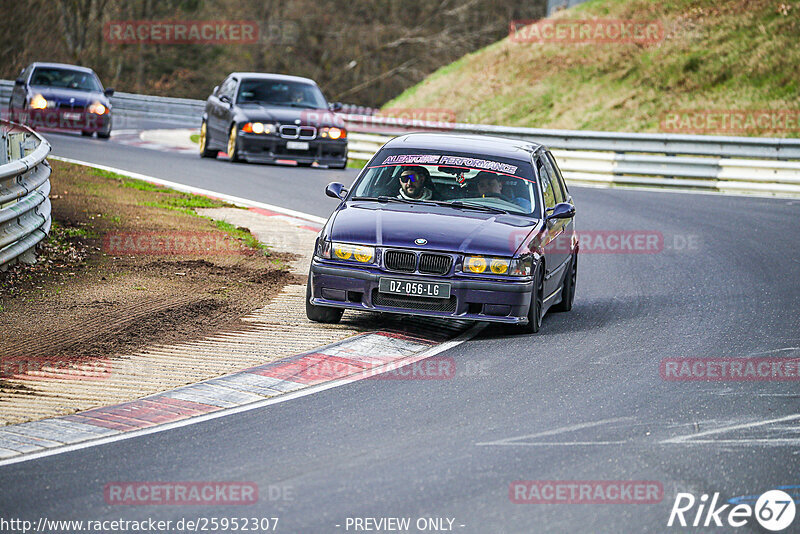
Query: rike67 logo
774	510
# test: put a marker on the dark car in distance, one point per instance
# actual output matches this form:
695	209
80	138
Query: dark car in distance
272	118
62	97
466	227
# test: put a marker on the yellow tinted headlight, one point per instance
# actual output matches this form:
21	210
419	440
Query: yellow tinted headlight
475	264
357	253
343	253
499	266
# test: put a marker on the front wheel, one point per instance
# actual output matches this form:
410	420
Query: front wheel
233	145
568	287
203	142
321	314
535	309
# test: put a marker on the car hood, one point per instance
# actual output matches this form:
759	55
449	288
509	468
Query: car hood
444	228
281	114
63	95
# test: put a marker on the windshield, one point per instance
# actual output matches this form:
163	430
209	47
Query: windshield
464	180
281	93
65	78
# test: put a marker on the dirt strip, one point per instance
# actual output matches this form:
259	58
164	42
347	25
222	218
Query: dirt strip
141	356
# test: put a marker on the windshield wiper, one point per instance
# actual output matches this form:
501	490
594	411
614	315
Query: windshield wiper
282	104
472	206
301	105
453	203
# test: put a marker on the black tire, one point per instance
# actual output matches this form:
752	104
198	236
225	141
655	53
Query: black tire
568	287
535	309
86	133
104	135
204	142
321	314
233	144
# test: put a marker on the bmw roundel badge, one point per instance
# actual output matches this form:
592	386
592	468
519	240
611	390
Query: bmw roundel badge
420	241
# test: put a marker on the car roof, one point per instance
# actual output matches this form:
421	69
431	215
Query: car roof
268	76
61	65
485	145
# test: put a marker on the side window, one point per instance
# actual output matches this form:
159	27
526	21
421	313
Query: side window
557	191
547	185
558	175
26	72
227	87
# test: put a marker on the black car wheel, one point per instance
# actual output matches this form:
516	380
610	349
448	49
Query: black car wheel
568	287
535	309
321	314
233	144
205	152
86	133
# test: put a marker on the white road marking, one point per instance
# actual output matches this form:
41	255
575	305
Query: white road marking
774	350
518	441
692	438
775	442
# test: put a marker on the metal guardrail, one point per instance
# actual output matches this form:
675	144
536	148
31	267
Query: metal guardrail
711	163
25	211
714	163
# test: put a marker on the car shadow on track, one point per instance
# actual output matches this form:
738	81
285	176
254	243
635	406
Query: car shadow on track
585	316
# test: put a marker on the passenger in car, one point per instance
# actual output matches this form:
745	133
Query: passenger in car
490	185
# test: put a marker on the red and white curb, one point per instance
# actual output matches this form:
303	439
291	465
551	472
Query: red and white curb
139	139
353	359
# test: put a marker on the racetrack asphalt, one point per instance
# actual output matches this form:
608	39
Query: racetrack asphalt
581	400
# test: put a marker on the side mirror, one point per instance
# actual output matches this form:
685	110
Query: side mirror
562	210
336	190
225	98
335	106
109	92
19	81
214	91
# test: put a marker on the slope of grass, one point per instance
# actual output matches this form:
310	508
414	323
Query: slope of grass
715	55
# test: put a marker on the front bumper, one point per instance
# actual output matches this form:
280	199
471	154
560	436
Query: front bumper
472	299
271	148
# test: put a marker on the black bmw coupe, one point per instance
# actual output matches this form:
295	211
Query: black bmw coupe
272	118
